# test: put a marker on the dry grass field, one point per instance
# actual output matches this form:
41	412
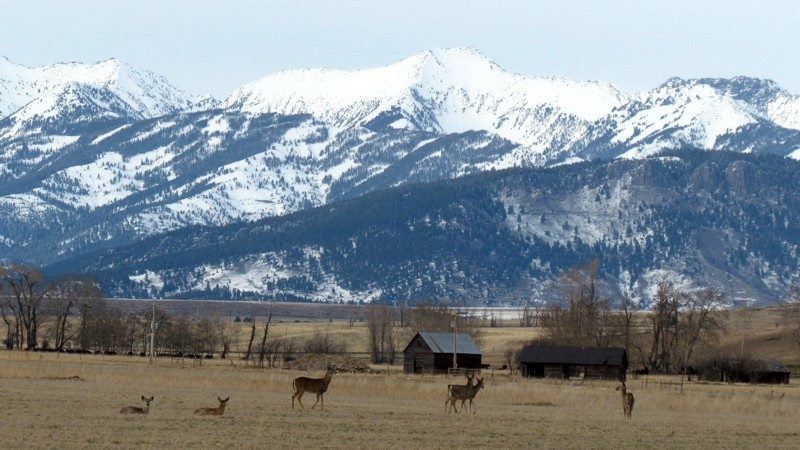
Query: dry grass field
66	401
759	332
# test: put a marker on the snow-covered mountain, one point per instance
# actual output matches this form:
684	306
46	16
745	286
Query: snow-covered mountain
441	91
706	113
30	92
93	155
549	118
721	219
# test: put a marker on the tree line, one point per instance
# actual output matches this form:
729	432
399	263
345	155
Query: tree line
71	314
664	338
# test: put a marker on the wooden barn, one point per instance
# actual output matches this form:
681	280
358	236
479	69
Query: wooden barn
574	362
732	370
433	353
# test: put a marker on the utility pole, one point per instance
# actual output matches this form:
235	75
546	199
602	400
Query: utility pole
152	331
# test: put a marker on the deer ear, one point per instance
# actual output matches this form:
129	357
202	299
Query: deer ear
226	399
152	397
143	398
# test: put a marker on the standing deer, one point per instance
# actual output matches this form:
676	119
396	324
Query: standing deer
218	411
627	400
450	387
137	409
464	393
315	385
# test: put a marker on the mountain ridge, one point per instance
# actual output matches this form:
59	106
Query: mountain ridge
90	165
695	218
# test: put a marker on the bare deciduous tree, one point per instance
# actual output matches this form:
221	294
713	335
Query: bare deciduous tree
528	316
625	319
66	295
10	315
433	317
380	333
227	337
28	287
701	319
663	324
252	338
583	317
262	351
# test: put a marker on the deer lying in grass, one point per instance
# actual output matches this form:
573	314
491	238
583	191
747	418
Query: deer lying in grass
137	409
627	400
464	393
316	385
470	377
218	411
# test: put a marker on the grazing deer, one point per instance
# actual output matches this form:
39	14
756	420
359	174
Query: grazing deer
218	411
316	385
464	393
627	400
136	409
470	377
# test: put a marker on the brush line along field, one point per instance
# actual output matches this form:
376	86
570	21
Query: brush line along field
58	400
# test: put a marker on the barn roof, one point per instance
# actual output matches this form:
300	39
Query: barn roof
592	356
443	343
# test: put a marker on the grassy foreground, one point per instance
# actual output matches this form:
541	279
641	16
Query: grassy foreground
57	401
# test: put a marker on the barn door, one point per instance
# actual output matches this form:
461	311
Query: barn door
418	364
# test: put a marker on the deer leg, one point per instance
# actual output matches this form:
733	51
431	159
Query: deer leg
315	403
299	396
322	402
449	404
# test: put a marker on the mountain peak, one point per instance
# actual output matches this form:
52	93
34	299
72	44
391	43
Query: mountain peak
146	93
446	55
441	89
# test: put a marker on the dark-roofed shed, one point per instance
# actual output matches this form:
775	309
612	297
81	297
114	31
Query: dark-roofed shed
433	353
566	362
745	371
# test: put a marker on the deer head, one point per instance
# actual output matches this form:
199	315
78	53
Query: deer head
221	401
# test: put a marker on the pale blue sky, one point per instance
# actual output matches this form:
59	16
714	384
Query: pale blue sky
213	47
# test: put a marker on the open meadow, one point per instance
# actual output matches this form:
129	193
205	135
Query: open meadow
58	400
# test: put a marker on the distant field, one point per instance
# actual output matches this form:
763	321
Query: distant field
50	400
757	332
494	343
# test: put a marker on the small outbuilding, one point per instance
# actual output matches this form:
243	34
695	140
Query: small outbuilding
731	370
574	362
433	353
